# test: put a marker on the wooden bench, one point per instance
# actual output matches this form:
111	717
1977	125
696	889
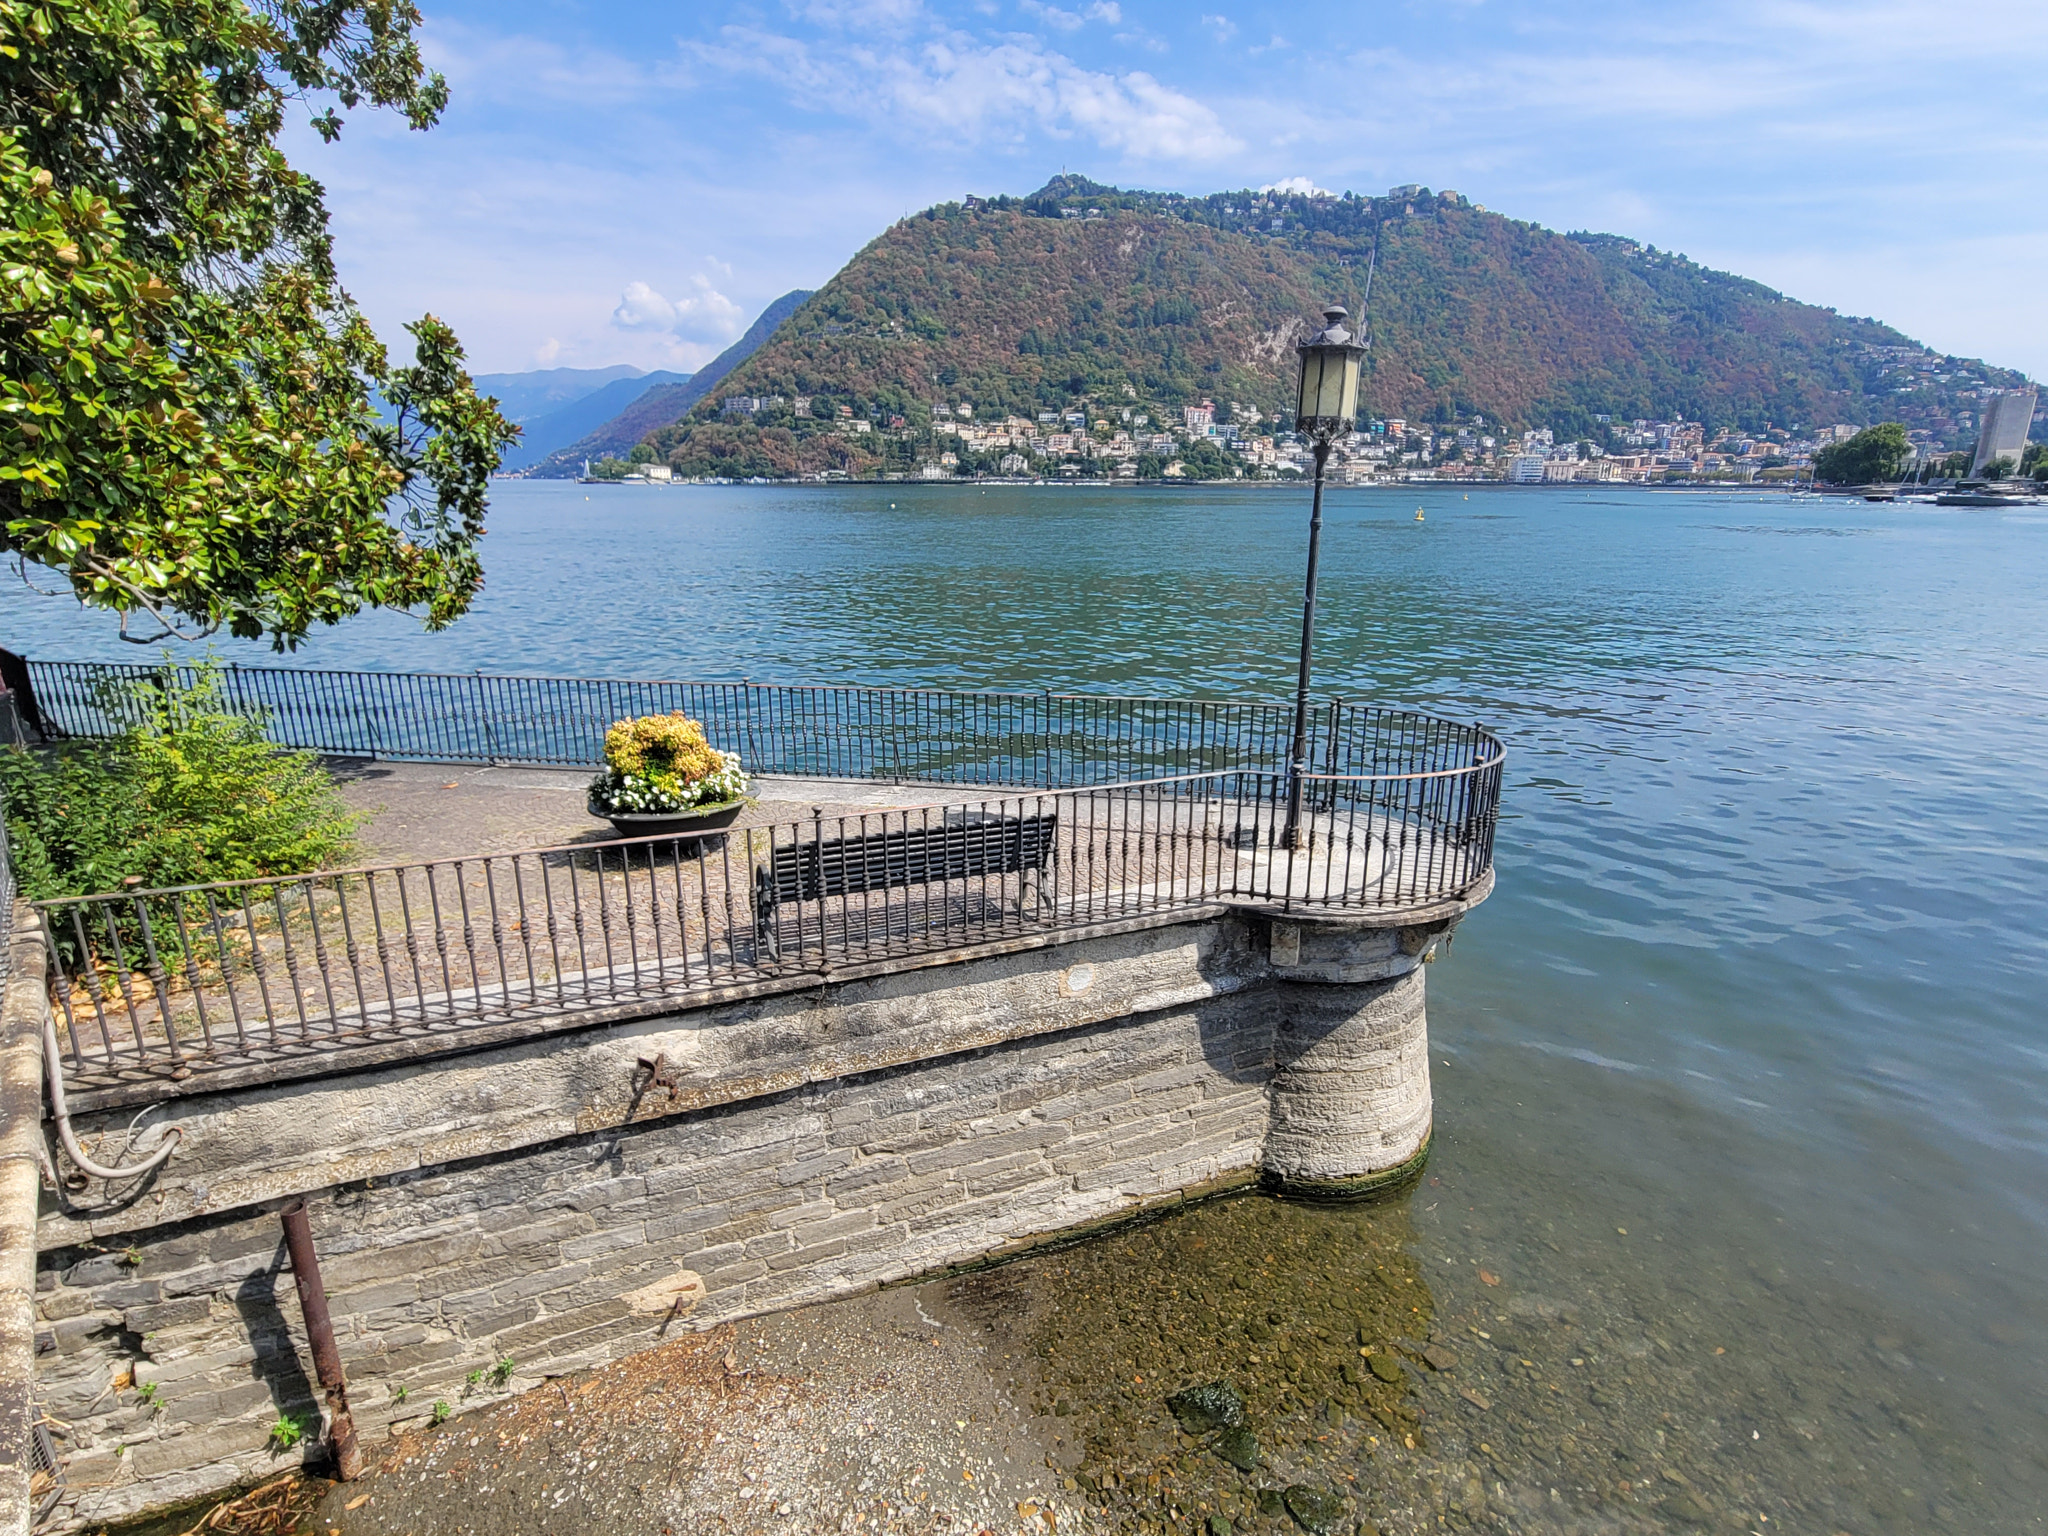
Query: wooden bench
851	866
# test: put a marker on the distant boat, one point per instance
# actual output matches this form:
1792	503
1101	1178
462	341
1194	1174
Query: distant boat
1986	494
1966	498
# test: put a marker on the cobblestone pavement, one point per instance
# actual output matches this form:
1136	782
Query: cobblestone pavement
439	810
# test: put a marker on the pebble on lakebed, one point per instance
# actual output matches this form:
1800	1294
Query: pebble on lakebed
1214	1360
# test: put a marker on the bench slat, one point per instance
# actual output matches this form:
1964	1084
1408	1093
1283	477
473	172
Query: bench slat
914	856
850	866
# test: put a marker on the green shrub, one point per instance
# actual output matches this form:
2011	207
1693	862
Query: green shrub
191	792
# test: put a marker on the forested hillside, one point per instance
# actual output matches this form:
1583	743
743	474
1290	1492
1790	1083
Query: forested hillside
1082	291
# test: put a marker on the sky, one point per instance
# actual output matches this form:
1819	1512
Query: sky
632	182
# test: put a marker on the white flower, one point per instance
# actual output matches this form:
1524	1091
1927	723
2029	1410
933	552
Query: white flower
629	794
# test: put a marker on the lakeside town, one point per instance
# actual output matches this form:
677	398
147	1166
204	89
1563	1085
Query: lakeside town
1223	440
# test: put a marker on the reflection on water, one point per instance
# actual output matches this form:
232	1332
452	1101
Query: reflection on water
1761	983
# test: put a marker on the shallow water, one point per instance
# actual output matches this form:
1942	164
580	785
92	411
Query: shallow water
1761	985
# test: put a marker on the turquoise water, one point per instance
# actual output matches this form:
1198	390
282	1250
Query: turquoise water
1763	980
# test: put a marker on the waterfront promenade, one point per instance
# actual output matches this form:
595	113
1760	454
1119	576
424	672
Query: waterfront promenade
449	810
543	1092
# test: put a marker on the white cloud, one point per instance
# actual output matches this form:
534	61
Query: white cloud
1069	21
642	309
1298	186
703	315
1052	15
979	91
1224	28
546	353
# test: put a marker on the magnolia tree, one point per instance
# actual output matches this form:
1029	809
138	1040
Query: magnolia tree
189	427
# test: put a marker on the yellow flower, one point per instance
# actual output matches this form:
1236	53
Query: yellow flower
669	749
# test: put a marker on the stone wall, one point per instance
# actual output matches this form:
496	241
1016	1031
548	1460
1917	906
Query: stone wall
21	1155
540	1208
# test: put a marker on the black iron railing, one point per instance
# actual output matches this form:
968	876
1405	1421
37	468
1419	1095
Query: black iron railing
170	985
1134	807
935	735
946	736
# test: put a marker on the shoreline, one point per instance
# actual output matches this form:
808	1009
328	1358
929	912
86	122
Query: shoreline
1297	483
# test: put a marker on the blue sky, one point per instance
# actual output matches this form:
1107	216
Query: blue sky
632	182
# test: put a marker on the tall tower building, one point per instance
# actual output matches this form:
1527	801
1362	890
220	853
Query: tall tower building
2007	419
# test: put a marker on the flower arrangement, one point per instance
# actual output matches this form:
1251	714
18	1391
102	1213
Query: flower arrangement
663	765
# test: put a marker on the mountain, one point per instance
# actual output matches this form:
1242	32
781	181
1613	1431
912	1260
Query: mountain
542	435
659	405
1087	291
523	396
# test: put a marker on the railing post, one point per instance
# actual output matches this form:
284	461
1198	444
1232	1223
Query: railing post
484	716
364	721
1330	753
1045	708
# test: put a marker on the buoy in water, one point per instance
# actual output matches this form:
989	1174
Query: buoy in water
1418	514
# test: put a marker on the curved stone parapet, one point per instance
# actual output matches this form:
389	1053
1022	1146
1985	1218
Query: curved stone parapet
1350	1094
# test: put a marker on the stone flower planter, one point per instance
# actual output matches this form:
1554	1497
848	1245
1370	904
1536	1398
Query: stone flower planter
696	823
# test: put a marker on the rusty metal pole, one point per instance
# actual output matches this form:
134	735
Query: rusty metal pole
298	1241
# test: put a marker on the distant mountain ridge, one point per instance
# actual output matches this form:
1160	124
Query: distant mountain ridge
523	396
1087	291
669	398
569	423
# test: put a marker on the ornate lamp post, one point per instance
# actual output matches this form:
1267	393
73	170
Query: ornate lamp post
1326	408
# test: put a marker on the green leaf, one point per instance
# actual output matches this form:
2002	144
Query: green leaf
222	462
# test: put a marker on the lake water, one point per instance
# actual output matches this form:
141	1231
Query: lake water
1742	1077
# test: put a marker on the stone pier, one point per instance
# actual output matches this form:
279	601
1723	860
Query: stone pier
515	1208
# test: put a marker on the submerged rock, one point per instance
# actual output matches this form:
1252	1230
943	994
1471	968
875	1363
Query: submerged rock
1213	1405
1688	1508
1317	1510
1386	1367
1238	1446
